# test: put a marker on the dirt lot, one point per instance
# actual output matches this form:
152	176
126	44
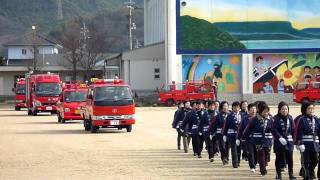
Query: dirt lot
40	148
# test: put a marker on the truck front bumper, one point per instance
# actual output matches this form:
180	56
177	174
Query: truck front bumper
113	123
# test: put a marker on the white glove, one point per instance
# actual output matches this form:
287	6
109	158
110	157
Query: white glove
283	141
181	130
200	133
224	138
302	148
211	137
238	142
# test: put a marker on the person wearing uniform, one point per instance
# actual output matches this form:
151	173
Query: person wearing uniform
260	127
308	132
283	130
246	143
230	131
177	120
204	128
216	129
184	127
193	118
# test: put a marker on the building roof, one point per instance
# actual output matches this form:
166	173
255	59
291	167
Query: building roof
29	39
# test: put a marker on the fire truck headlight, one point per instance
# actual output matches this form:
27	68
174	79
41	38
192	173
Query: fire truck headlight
98	117
66	110
37	103
128	116
19	101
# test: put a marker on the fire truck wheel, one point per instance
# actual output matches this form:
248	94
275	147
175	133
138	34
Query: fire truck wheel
129	128
35	113
17	108
169	102
63	120
87	125
93	129
29	112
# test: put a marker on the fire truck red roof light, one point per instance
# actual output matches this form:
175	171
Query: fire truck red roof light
108	81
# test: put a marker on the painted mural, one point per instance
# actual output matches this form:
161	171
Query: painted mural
242	26
279	73
223	69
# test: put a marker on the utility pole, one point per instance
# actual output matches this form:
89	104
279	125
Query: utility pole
132	26
60	14
34	60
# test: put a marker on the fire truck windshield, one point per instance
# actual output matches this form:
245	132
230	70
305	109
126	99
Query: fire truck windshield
74	96
113	95
48	89
21	89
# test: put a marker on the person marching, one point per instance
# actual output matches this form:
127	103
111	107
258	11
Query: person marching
177	120
244	113
193	118
244	107
204	128
230	133
260	127
283	130
185	126
308	132
249	147
216	129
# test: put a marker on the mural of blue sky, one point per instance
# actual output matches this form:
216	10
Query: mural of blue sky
301	13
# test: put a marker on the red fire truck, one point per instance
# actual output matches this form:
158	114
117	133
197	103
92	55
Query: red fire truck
109	105
307	91
196	90
73	98
42	93
20	94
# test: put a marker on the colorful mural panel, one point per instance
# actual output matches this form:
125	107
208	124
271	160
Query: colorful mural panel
279	73
224	69
242	26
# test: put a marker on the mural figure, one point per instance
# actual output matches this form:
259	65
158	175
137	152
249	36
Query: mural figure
284	71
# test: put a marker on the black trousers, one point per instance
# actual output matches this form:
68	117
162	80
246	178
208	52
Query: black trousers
180	134
235	153
197	144
210	146
263	154
224	149
310	159
284	157
186	138
252	154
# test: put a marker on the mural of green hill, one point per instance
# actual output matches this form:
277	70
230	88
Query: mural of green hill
265	30
197	34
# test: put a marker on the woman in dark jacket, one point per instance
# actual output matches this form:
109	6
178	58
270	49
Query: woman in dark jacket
283	130
259	128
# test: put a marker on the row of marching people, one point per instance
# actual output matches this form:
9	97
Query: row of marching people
250	131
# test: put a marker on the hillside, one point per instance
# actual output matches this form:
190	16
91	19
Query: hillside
17	16
197	34
266	30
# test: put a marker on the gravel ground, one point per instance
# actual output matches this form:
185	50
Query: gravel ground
37	147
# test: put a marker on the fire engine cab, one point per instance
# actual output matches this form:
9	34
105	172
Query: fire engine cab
20	94
196	90
72	99
307	91
109	105
42	93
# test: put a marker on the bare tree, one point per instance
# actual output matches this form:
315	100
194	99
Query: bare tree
95	46
70	38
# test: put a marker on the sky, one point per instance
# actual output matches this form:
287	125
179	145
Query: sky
301	13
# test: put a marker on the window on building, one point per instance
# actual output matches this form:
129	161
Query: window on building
24	51
156	73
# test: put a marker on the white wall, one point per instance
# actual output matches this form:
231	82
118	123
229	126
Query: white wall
154	20
142	74
139	64
15	52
